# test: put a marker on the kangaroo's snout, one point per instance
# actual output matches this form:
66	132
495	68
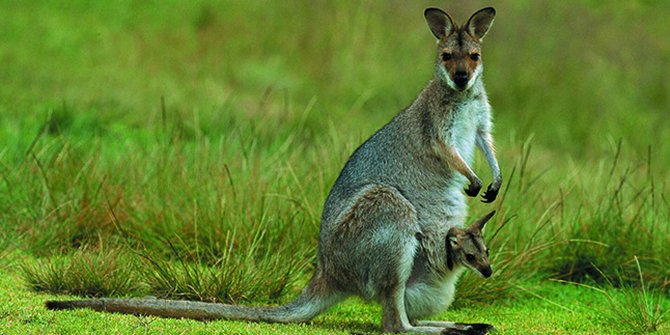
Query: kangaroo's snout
461	79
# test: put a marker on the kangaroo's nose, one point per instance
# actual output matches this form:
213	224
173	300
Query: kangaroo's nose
461	79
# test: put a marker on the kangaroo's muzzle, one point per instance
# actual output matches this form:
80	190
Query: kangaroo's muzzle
461	80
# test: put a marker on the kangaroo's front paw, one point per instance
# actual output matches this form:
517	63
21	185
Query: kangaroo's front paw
473	188
490	194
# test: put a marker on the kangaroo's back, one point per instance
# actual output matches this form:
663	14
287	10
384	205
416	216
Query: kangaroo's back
397	155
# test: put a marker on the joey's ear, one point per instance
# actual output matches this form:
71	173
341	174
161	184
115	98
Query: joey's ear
439	22
479	224
451	242
480	22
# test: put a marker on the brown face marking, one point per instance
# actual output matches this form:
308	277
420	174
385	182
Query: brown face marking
456	55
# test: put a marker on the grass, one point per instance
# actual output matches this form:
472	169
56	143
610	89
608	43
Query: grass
184	150
84	273
541	308
636	309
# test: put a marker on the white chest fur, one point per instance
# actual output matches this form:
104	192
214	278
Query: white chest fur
462	125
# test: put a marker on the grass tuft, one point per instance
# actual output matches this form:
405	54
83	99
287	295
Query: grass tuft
86	273
633	309
638	309
246	272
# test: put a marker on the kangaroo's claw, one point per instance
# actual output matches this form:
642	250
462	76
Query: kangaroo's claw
490	194
473	188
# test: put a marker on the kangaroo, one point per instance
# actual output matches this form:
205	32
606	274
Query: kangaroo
391	227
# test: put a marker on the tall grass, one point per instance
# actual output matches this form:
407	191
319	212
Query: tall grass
202	144
207	227
626	217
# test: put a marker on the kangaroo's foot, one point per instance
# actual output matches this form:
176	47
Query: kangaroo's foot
458	328
469	329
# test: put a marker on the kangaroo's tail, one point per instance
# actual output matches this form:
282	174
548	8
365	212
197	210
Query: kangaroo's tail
313	300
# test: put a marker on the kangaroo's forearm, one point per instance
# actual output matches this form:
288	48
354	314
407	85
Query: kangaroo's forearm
485	144
454	160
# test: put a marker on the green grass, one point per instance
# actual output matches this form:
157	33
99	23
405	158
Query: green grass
637	309
540	308
101	274
184	150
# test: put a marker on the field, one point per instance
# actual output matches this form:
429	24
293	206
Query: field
185	149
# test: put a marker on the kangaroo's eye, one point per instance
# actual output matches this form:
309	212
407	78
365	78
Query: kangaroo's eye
470	258
446	56
474	57
487	252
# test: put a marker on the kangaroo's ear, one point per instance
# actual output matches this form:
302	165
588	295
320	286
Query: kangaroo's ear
479	224
439	22
480	22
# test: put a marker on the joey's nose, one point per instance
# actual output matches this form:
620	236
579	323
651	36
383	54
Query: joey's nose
486	271
461	79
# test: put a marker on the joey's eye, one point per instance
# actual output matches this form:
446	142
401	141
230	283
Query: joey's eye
487	252
470	258
474	57
446	56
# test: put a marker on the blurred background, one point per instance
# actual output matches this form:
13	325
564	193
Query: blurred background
212	131
576	75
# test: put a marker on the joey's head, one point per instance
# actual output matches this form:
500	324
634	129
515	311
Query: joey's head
459	60
466	247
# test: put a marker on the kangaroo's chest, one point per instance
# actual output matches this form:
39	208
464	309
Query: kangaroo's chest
462	122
